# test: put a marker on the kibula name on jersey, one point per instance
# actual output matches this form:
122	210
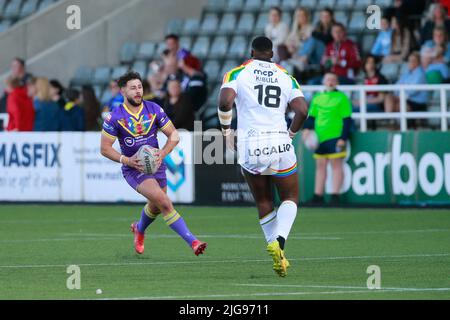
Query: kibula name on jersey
265	76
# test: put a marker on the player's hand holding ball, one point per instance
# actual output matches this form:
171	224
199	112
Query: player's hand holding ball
149	159
132	162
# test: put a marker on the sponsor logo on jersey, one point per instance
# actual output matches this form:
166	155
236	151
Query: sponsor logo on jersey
129	141
266	73
267	151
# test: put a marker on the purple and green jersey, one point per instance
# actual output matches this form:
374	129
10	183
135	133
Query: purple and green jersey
134	130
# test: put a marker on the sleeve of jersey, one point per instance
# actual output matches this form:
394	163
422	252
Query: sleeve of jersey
109	127
346	107
162	120
230	79
296	91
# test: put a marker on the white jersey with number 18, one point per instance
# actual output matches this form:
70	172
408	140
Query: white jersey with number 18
263	92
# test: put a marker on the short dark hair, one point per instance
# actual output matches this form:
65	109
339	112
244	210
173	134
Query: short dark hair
72	94
56	84
339	25
277	9
262	44
20	60
172	36
130	75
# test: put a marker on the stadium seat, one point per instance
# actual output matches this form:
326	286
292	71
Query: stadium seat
82	76
106	96
270	3
357	22
361	5
346	4
141	67
209	24
212	100
326	3
201	47
238	47
309	4
289	4
2	7
118	72
367	43
191	26
45	3
128	52
342	17
246	23
390	71
185	42
12	9
174	26
159	48
102	76
228	23
212	69
146	51
234	5
98	91
261	22
384	3
227	66
5	24
219	47
253	5
29	7
215	5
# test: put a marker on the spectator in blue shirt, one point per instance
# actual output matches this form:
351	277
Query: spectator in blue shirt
382	45
116	97
72	117
46	110
416	99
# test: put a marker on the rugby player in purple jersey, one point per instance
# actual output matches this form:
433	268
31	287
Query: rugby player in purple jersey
136	123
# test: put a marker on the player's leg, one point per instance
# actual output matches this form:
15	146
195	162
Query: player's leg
148	215
338	178
151	189
261	188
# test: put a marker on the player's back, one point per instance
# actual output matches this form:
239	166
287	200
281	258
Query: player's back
263	91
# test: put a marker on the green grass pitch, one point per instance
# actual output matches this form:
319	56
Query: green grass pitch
329	249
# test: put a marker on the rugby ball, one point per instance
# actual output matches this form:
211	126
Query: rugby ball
147	156
311	140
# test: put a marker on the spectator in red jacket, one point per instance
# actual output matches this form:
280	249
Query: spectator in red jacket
342	55
19	106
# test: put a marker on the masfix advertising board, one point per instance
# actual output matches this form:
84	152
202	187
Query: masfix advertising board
69	167
389	168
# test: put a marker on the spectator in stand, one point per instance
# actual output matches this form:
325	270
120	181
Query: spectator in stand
416	99
438	18
341	56
374	99
323	28
72	117
440	41
19	106
382	46
300	32
161	72
173	45
91	106
178	105
194	84
117	97
57	93
276	30
330	117
18	71
47	112
401	42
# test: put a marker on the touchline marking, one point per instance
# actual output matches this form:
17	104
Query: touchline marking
337	287
220	261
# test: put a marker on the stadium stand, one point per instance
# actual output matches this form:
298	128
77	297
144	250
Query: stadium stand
12	11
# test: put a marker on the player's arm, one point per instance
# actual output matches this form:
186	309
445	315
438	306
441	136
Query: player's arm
225	111
173	138
300	108
107	150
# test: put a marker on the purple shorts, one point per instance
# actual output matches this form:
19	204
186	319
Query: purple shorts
134	178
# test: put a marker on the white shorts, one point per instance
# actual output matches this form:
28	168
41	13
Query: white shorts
268	155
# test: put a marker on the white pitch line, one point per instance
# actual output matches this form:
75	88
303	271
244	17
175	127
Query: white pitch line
337	287
261	294
222	261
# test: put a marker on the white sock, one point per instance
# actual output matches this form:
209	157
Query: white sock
286	216
269	226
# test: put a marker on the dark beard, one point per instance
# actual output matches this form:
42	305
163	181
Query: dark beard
133	102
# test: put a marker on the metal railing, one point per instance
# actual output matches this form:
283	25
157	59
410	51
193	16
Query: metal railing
403	115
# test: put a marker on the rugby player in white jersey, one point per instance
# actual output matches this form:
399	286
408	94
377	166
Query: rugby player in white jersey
262	91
